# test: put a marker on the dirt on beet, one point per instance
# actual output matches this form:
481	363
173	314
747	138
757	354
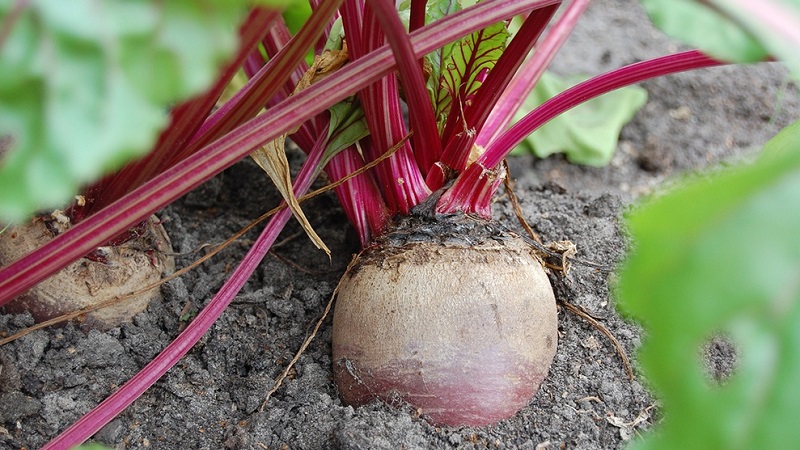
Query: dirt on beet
212	398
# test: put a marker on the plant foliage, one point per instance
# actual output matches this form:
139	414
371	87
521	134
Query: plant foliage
699	24
721	255
72	71
457	69
105	70
588	133
734	30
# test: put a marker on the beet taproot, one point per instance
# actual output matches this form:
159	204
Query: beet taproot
124	269
464	332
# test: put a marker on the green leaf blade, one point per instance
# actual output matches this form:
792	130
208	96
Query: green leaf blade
721	256
458	69
699	25
587	134
734	30
774	23
85	87
348	125
438	59
474	55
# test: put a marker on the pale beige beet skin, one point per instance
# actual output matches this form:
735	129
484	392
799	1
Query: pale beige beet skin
84	283
464	334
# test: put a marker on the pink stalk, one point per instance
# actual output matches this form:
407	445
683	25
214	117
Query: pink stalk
425	141
278	38
308	133
359	196
180	179
502	72
417	12
352	13
507	65
478	185
252	98
401	181
529	73
98	417
461	197
254	62
323	40
589	89
462	126
399	176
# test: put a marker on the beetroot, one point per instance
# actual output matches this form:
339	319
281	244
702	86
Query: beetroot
113	271
463	327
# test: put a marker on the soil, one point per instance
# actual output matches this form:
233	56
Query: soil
211	399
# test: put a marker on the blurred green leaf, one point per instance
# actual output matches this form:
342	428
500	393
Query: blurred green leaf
734	30
700	25
587	134
775	23
435	10
85	86
296	15
722	255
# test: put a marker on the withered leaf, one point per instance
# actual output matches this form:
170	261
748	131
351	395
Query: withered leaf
272	156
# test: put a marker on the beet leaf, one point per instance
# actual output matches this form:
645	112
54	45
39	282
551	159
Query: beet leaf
776	24
701	25
284	116
734	30
84	88
459	69
587	134
347	127
721	256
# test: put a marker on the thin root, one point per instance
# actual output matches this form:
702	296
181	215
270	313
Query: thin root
593	322
563	250
512	196
306	342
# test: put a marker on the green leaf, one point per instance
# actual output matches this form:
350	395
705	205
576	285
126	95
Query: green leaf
699	25
85	87
721	255
296	15
459	68
587	134
347	126
775	23
437	60
734	30
436	9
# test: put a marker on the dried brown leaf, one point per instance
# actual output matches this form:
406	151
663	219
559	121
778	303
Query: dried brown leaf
324	64
272	156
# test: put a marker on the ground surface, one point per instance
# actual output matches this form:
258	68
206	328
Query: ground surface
212	398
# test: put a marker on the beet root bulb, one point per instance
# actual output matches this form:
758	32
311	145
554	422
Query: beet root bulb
465	335
84	283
